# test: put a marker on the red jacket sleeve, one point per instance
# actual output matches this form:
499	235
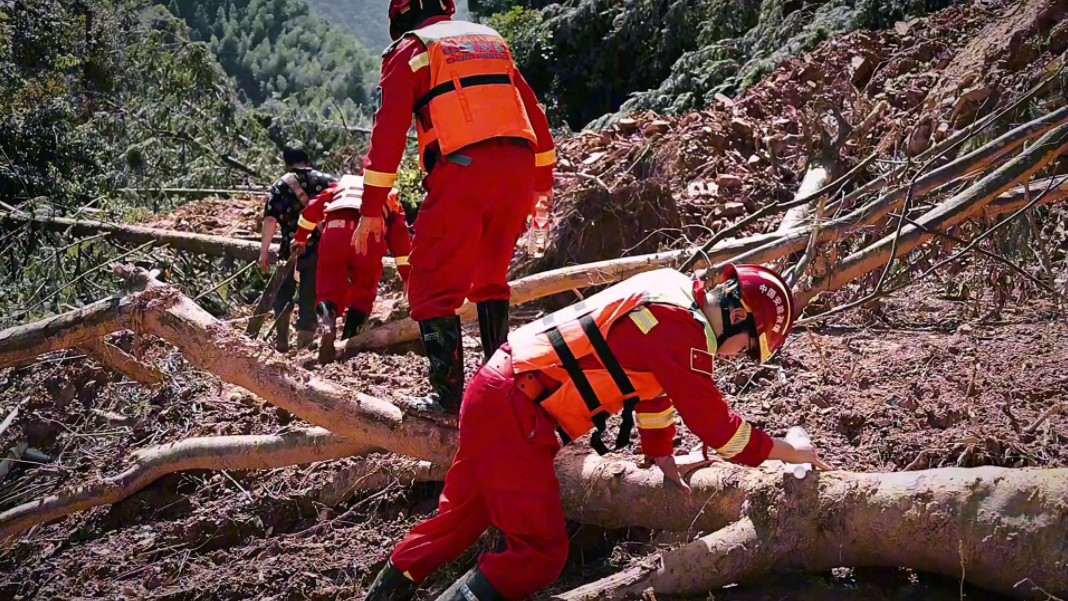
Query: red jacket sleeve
669	342
545	153
313	214
656	426
400	244
389	136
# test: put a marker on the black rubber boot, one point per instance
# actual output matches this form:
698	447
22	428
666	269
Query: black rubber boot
328	320
492	325
281	330
353	321
441	341
390	585
472	585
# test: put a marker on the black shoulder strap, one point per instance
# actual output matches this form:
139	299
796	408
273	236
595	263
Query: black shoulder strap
619	376
582	384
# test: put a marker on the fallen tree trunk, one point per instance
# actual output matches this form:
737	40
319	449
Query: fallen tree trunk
989	526
204	244
218	246
954	211
972	163
67	330
112	356
208	453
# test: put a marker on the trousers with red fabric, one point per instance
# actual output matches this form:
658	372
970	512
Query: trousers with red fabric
502	475
344	277
468	226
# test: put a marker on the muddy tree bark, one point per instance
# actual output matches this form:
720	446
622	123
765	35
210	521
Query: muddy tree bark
989	526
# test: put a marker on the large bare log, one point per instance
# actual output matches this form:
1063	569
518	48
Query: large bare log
214	453
212	346
67	330
218	246
989	526
954	211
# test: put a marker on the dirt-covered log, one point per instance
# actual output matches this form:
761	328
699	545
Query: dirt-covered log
67	330
115	358
954	211
989	526
215	347
219	246
204	244
208	453
972	163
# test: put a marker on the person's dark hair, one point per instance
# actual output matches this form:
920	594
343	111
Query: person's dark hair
294	154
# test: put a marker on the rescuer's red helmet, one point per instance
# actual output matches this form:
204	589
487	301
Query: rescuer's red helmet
768	298
409	13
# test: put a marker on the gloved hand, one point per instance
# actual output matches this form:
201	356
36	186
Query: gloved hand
296	250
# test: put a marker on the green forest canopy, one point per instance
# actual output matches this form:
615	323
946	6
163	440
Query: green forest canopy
278	49
368	20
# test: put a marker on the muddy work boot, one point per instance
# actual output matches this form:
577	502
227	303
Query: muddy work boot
390	585
281	343
472	585
441	340
305	338
328	320
492	325
354	320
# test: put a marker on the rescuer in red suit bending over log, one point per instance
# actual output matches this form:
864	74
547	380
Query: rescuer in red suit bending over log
643	348
485	145
347	280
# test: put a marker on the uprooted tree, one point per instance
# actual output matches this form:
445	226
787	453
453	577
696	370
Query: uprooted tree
990	526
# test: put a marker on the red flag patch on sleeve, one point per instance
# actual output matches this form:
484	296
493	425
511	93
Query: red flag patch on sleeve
701	361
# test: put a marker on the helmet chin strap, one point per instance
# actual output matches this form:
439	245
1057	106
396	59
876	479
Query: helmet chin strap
731	300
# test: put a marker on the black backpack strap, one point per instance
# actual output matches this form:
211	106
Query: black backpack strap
582	384
619	376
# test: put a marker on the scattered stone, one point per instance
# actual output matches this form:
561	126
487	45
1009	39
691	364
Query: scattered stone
627	126
731	210
656	127
726	180
742	128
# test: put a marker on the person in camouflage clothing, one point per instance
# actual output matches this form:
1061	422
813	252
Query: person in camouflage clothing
285	200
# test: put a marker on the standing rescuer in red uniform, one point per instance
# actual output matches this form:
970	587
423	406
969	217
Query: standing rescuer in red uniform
345	278
485	145
644	347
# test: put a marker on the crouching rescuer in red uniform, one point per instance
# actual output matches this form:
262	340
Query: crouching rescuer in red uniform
485	145
347	280
644	347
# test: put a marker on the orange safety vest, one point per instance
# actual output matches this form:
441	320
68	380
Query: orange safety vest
350	196
554	345
473	96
